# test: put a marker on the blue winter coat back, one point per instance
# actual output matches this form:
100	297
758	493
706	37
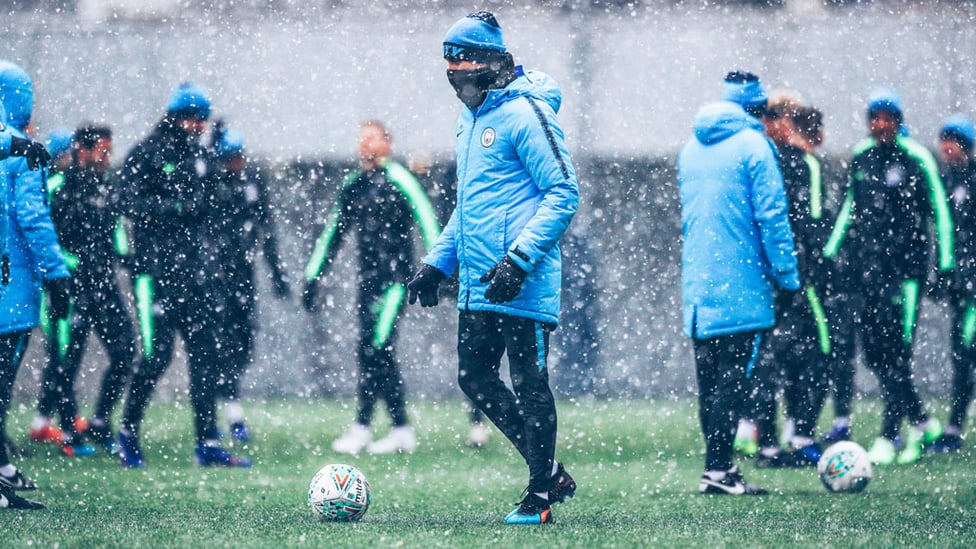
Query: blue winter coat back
734	220
517	194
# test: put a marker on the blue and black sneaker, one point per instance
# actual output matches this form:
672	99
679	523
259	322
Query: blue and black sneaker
532	510
212	455
946	444
240	432
130	454
836	434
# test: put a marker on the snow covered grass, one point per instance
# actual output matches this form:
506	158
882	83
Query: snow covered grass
637	463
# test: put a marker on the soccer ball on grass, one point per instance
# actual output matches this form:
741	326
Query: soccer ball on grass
844	467
339	493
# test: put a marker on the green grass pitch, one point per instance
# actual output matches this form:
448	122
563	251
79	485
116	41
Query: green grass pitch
637	463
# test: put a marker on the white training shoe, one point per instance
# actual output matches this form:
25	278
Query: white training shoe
400	440
356	439
479	435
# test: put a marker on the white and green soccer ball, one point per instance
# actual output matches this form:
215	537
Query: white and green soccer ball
844	467
339	493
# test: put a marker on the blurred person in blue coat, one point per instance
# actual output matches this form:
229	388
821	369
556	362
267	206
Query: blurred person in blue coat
31	256
517	194
737	251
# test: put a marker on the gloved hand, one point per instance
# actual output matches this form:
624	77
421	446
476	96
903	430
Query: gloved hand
506	281
310	295
424	285
59	293
33	151
281	287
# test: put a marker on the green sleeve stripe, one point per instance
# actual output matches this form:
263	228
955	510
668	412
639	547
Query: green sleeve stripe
316	263
45	319
144	303
54	184
121	238
64	335
937	195
313	269
423	210
70	259
841	226
909	291
863	145
969	326
816	186
823	327
389	309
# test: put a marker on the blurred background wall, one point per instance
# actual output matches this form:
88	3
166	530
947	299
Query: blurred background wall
297	77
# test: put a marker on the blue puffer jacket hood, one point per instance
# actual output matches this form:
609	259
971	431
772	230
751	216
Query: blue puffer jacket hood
16	94
517	194
720	120
737	245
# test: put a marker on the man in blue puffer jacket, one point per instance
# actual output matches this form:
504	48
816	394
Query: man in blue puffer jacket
31	256
737	248
517	194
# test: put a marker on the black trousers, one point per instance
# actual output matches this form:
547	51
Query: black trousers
191	317
379	372
237	330
97	306
527	416
12	347
722	367
886	327
794	359
963	313
841	311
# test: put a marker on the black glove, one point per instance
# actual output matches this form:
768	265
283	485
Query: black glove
424	285
33	151
281	287
59	294
310	295
506	281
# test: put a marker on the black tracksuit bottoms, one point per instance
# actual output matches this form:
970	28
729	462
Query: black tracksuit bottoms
98	306
963	358
722	366
193	319
527	416
12	347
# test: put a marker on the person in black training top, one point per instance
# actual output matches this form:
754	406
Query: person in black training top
959	175
177	271
379	204
240	201
86	211
894	193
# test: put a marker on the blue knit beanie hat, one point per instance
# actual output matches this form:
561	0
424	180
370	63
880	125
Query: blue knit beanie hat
745	89
59	141
17	94
189	101
231	143
885	100
960	129
476	37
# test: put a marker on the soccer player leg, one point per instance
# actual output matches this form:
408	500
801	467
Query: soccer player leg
117	333
12	346
389	382
480	349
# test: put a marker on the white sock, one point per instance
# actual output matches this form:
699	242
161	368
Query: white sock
746	430
842	422
953	430
39	421
800	442
8	470
235	412
769	451
555	468
715	475
543	495
211	442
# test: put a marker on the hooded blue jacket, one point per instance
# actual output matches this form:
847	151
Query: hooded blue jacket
31	245
517	194
735	225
